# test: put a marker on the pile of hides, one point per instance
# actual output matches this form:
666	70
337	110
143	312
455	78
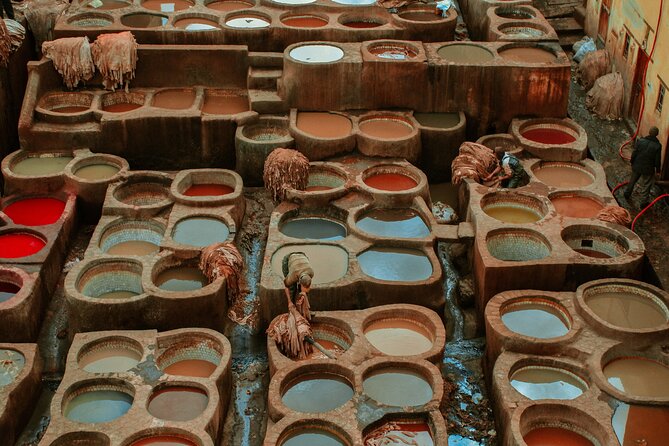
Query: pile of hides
16	33
394	4
5	44
223	260
593	66
290	332
115	55
41	16
285	169
615	214
474	161
71	57
605	99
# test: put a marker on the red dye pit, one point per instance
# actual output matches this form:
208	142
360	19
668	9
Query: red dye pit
553	436
390	181
208	190
163	440
549	136
18	244
35	211
305	22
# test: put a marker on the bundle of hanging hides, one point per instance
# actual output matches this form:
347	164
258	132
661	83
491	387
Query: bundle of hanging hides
605	99
16	33
223	260
290	332
474	161
285	169
115	55
615	214
5	44
41	16
71	57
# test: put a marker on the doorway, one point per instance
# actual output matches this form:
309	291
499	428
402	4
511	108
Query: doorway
604	13
637	85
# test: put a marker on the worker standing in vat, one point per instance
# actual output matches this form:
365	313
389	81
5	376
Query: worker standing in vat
646	162
7	6
510	170
298	273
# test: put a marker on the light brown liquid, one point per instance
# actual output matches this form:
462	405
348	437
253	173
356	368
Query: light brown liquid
540	383
639	377
529	55
398	337
225	104
181	279
229	5
627	310
328	262
465	53
121	108
324	125
117	295
178	403
109	359
512	214
641	425
97	172
70	109
174	99
166	5
133	248
576	207
385	128
191	367
553	436
592	253
36	166
563	176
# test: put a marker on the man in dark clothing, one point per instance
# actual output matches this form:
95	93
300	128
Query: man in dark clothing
7	6
510	170
646	160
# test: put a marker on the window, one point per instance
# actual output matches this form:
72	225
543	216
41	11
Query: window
660	98
626	47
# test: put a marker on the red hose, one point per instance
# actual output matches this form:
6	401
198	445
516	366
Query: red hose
613	192
646	208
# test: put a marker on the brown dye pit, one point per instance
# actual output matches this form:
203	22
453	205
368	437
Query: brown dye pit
143	20
133	248
122	107
638	377
547	383
386	128
191	367
560	175
627	310
641	425
166	5
196	24
438	120
97	172
397	387
576	207
420	16
313	393
362	24
109	359
512	214
555	436
178	403
163	440
537	320
528	55
329	262
592	253
221	104
229	5
181	279
390	182
312	437
70	109
307	21
465	53
398	337
174	99
324	125
414	433
331	346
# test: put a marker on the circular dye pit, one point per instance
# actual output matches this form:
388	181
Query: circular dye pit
317	393
362	24
390	182
528	55
438	120
121	107
97	172
66	110
200	231
576	206
143	192
167	5
35	211
386	127
98	406
465	53
191	367
247	22
7	291
323	181
595	242
517	246
141	20
399	337
178	403
222	102
355	2
395	264
536	318
548	135
196	24
163	440
105	5
196	358
638	377
395	223
329	262
564	175
508	213
304	21
312	437
547	383
208	190
397	387
228	5
11	364
110	357
393	51
635	425
630	308
15	245
317	53
324	125
514	13
514	31
119	280
331	338
313	228
420	16
181	279
91	21
135	238
174	99
548	436
415	433
41	165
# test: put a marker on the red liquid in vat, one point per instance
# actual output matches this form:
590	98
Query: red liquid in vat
15	245
191	367
549	136
228	5
163	440
390	181
305	22
121	108
35	211
553	436
208	190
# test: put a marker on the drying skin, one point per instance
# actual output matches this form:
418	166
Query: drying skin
5	44
285	169
115	55
474	161
223	260
42	16
72	58
615	214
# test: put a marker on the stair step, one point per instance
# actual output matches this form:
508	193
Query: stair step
266	102
265	59
263	78
565	25
579	15
568	40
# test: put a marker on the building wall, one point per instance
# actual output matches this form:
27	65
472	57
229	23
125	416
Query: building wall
639	18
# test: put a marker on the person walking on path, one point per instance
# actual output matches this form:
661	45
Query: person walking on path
9	10
646	161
